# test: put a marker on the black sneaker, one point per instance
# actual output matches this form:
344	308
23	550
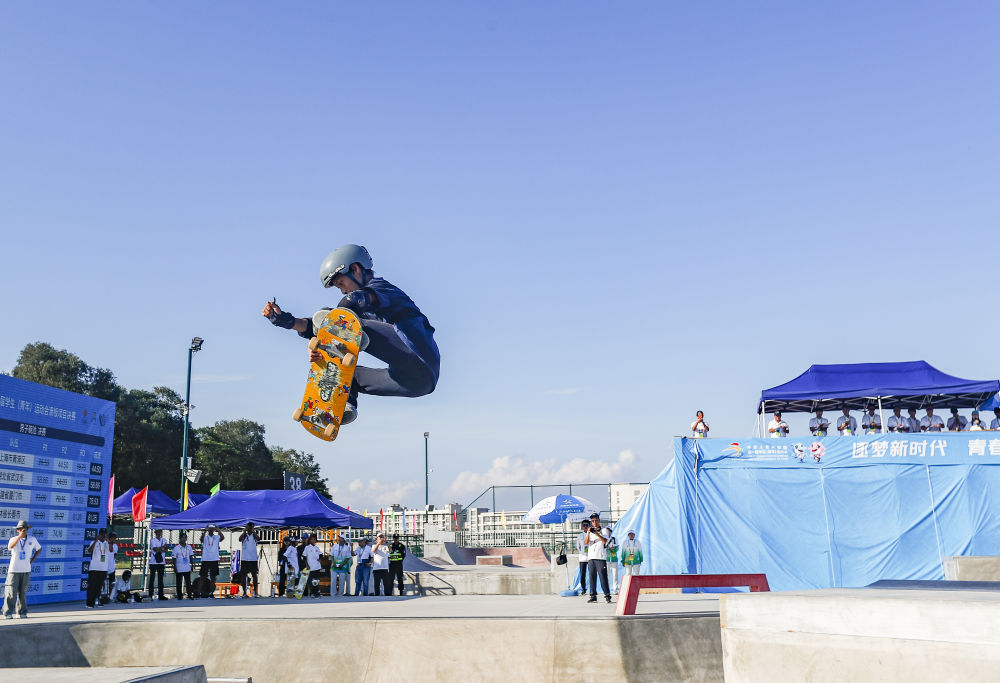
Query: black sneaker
593	598
607	598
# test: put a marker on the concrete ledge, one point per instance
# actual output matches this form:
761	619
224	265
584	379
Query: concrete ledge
858	634
480	582
972	568
494	560
130	674
427	649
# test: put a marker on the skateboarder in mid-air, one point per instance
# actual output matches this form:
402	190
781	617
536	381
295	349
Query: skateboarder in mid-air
398	333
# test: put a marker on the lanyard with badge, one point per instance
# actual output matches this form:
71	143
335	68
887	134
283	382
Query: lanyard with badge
21	554
103	548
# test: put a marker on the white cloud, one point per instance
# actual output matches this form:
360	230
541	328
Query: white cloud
511	470
374	494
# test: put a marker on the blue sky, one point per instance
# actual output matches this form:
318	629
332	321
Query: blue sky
613	215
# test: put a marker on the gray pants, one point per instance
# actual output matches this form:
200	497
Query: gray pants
16	588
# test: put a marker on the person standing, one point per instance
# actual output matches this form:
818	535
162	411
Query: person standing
363	571
819	425
957	423
870	422
612	559
23	551
913	421
157	562
581	554
699	428
777	427
283	565
931	422
597	565
896	422
397	552
290	558
847	425
211	540
248	558
182	568
631	554
340	555
99	551
380	565
113	563
311	555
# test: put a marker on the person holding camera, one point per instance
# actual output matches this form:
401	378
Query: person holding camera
23	551
596	540
248	558
122	590
157	562
211	539
364	569
380	565
311	554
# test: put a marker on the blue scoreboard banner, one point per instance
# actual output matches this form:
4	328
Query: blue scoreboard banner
55	461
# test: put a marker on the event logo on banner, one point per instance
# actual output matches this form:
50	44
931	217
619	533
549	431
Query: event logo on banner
55	460
840	451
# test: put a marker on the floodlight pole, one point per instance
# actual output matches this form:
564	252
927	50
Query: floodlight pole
427	471
195	346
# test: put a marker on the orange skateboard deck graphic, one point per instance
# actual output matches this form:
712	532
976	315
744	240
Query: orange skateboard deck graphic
338	341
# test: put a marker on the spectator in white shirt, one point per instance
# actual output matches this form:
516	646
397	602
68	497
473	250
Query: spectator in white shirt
211	538
122	590
777	427
995	424
380	565
581	555
870	422
597	565
699	428
913	421
340	554
896	422
99	551
248	558
157	562
182	568
23	551
113	563
290	559
957	423
977	424
931	422
363	571
311	554
819	425
847	425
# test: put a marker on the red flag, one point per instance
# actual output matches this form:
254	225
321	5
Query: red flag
381	519
139	505
111	494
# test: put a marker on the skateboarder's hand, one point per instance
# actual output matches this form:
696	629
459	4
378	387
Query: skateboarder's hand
271	309
315	356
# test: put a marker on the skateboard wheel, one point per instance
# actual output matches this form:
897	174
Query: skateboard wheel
349	360
329	431
314	343
297	415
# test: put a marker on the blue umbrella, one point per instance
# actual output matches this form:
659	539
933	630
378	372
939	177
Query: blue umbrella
560	508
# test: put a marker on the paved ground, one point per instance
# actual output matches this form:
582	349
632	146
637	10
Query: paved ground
462	606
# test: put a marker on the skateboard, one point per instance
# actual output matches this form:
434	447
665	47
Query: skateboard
300	588
338	339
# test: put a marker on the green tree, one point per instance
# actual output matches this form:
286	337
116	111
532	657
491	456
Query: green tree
149	437
299	462
232	451
42	363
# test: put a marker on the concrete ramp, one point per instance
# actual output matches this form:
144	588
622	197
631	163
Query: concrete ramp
452	553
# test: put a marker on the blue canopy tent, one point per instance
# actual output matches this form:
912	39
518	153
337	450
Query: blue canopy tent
912	384
194	499
231	509
157	503
992	404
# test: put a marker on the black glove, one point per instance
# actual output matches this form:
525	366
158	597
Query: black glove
283	319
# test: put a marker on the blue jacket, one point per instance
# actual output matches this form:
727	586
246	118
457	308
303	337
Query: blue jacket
383	301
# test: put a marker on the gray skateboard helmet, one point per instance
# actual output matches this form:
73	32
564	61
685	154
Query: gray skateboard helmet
339	261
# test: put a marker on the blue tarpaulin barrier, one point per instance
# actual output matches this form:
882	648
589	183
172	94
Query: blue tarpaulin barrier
820	513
